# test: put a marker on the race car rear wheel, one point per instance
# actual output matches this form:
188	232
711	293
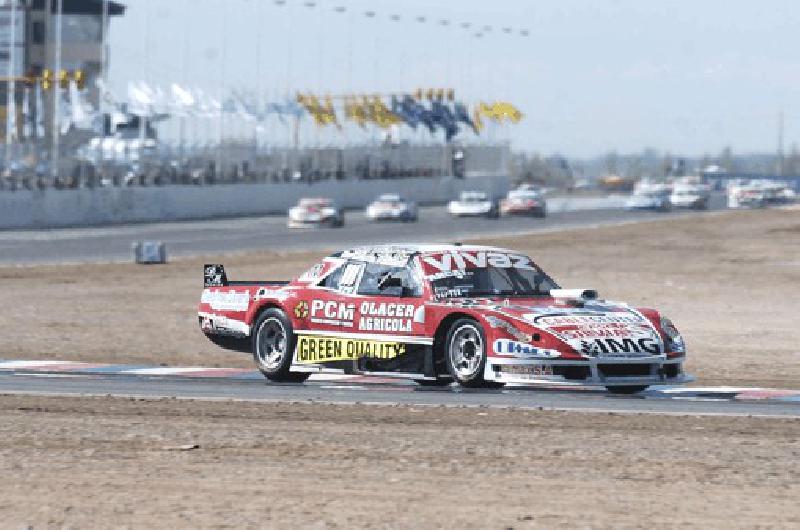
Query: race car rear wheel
626	389
273	344
465	353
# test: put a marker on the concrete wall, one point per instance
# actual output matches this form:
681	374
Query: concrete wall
573	204
101	206
86	207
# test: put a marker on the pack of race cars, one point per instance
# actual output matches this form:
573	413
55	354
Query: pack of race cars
531	201
478	316
311	212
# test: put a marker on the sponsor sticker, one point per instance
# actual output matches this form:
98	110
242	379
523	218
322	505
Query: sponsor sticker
610	334
521	349
463	260
528	370
314	273
271	294
585	320
333	313
623	347
386	316
226	300
301	309
320	349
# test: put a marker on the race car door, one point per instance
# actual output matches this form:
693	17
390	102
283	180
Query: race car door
332	304
390	303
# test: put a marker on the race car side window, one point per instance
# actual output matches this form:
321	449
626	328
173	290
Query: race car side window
408	283
345	278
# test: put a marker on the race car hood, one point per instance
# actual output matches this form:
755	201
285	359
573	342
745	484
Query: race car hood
592	329
470	206
387	205
298	212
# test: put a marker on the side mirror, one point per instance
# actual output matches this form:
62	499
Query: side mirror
389	281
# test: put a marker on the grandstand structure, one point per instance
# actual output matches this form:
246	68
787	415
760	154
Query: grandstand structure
65	129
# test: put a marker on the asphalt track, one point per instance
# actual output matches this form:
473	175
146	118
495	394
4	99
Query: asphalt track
703	402
220	236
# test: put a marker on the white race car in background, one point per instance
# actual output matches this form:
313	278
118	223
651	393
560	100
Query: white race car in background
759	193
392	207
694	196
315	212
651	198
474	204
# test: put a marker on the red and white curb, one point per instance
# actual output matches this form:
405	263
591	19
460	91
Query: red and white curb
76	367
51	367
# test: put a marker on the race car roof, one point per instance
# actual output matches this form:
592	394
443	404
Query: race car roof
400	252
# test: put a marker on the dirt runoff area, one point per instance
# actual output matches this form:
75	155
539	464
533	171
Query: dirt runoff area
730	281
104	462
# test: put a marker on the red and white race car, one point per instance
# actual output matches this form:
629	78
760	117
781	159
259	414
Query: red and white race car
315	212
476	315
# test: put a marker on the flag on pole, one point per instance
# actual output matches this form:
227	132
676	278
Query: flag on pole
26	113
39	112
11	115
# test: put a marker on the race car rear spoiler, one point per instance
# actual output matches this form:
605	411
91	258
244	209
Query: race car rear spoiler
214	276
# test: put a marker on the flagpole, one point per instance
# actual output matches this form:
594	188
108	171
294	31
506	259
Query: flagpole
220	172
185	81
101	104
104	50
56	121
10	86
259	87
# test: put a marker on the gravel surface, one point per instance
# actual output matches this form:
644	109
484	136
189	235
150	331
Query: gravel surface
103	462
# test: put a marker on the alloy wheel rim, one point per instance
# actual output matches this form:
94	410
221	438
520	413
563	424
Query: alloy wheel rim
466	351
271	343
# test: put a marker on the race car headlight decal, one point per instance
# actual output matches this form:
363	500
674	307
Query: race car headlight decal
674	339
499	323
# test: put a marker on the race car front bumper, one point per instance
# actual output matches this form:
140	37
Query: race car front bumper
388	215
601	372
307	223
519	210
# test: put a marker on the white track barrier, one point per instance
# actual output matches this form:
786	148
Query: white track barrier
103	206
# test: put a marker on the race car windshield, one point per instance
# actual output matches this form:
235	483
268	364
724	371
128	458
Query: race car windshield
523	280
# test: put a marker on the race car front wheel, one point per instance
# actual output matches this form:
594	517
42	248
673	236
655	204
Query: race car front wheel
273	344
465	353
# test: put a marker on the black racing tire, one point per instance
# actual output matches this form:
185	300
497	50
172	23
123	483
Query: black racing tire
273	347
465	354
334	222
633	389
434	382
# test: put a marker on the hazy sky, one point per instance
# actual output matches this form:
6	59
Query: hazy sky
685	76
